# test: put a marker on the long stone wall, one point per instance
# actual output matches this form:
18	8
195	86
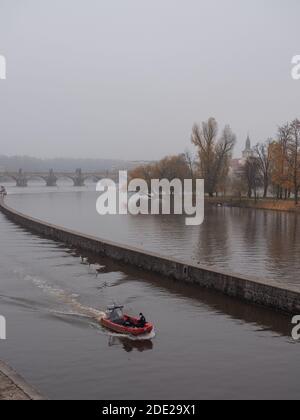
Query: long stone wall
256	291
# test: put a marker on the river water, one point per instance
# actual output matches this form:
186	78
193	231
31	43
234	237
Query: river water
205	345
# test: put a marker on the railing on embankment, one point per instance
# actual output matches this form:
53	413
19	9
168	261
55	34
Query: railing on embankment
257	291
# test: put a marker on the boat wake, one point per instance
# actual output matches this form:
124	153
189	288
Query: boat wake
70	300
82	311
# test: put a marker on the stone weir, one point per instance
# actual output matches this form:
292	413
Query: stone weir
263	292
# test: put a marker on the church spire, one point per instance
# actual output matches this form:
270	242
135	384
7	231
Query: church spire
248	150
248	143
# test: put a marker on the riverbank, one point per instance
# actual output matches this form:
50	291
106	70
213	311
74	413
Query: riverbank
14	388
260	204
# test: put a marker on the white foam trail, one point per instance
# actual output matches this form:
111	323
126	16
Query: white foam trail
81	310
67	299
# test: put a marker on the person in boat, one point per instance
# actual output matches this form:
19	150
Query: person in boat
142	321
115	315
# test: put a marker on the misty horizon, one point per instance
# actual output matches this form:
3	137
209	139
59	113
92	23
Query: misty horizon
32	164
128	79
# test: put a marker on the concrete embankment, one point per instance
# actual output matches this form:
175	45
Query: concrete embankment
253	290
13	387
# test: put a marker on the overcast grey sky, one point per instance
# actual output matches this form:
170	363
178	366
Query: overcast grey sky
128	78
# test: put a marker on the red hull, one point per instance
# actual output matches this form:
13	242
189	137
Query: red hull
122	329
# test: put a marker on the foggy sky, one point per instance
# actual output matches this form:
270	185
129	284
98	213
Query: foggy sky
128	78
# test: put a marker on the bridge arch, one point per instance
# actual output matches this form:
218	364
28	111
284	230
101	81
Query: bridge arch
36	178
92	177
5	177
70	177
61	177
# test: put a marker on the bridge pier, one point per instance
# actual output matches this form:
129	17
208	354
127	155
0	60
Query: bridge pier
78	179
21	180
51	179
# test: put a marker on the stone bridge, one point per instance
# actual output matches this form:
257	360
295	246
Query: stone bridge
78	177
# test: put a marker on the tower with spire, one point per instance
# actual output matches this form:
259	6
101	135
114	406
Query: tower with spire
248	152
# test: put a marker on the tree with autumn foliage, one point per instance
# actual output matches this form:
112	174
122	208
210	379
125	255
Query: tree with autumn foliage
285	161
214	153
294	156
280	173
170	168
252	175
263	155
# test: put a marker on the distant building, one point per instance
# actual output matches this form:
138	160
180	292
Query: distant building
236	165
248	152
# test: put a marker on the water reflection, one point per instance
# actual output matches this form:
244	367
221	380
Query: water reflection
130	345
263	318
53	303
213	242
246	241
253	242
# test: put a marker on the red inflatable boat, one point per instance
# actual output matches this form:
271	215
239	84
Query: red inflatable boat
114	320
